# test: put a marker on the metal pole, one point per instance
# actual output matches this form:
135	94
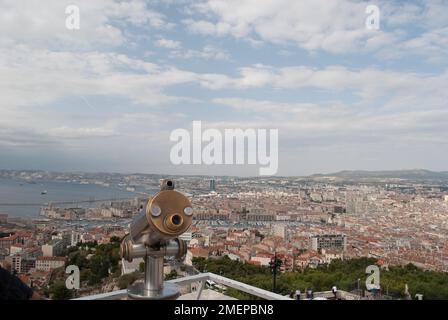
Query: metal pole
274	272
153	276
274	280
153	288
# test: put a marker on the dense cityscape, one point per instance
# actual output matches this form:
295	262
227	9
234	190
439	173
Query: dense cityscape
397	218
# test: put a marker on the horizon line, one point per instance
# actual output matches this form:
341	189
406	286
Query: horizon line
232	176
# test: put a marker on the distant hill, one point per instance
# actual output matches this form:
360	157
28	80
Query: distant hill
416	174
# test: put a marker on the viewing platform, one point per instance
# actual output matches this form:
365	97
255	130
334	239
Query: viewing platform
194	287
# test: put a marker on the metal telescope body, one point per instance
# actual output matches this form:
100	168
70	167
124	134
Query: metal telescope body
153	236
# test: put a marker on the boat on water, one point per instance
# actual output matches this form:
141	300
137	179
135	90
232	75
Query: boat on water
44	192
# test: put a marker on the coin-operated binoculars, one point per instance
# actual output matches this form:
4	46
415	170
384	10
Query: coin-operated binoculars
154	235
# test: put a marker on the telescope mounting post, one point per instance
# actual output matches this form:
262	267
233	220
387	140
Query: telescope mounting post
153	288
154	235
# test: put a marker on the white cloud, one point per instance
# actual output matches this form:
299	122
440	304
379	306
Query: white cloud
329	124
409	14
35	23
209	52
263	106
77	133
47	76
431	45
369	83
169	44
334	26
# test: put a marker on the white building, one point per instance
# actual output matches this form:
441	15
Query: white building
264	261
329	241
16	262
187	236
75	238
16	248
20	263
49	263
279	230
53	248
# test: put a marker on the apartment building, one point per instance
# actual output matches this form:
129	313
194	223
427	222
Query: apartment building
49	263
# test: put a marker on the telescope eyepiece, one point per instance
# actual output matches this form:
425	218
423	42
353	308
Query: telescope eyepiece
174	222
176	219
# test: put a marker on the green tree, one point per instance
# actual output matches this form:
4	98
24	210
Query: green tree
115	239
60	292
342	273
172	275
127	279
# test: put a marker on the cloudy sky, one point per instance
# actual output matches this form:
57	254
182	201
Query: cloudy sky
106	97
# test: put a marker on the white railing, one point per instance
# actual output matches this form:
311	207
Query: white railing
201	279
342	295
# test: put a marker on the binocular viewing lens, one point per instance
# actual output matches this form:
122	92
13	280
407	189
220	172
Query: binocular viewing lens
176	220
